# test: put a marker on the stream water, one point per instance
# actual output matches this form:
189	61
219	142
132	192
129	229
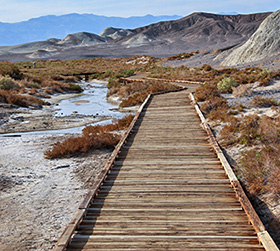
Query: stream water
92	101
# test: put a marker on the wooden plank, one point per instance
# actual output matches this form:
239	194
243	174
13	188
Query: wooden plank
267	241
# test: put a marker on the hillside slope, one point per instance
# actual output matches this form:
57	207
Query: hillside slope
264	43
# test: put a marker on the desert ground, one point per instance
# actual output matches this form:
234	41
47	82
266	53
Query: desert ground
38	195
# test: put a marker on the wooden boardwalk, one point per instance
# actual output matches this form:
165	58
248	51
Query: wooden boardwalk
166	190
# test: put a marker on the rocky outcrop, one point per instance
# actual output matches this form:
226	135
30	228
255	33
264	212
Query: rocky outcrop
264	43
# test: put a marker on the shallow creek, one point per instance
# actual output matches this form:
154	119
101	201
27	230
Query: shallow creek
92	102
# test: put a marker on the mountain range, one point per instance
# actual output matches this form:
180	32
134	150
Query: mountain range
45	27
198	31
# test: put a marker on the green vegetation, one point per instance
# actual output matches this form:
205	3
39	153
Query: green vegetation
226	84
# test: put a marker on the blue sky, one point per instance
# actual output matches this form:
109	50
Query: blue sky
20	10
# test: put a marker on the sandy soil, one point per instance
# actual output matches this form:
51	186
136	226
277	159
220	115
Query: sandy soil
39	196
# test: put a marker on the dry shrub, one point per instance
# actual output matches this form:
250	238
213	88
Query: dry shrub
32	91
206	67
182	55
20	100
93	137
206	91
242	90
213	103
269	130
10	69
261	169
229	133
260	101
3	96
82	144
150	87
120	124
252	170
48	91
249	130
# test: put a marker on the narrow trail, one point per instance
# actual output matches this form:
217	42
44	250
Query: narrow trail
163	189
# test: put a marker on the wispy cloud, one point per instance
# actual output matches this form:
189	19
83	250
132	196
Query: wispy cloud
18	10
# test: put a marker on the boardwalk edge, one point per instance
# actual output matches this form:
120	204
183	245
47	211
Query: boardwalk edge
264	237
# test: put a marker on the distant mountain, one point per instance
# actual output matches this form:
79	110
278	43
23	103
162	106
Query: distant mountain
264	43
46	27
198	31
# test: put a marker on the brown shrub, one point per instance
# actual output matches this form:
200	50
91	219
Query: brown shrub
269	130
24	100
182	56
3	96
242	90
260	169
260	101
229	133
206	91
249	130
82	144
10	69
150	87
213	103
206	67
93	137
